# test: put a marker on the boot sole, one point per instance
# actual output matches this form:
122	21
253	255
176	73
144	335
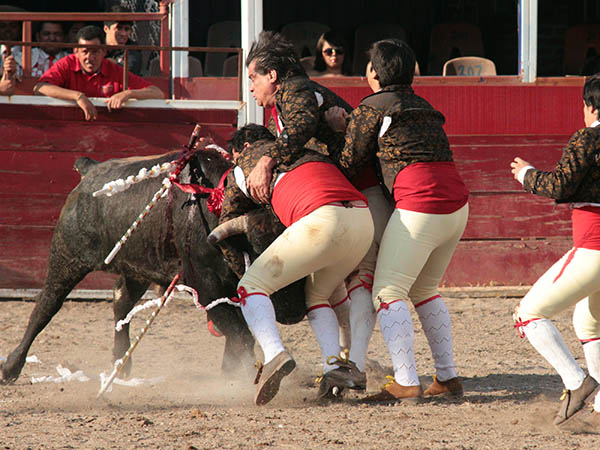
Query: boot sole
271	386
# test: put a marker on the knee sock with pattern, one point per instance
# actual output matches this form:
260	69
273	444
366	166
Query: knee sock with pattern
397	329
435	321
362	322
325	327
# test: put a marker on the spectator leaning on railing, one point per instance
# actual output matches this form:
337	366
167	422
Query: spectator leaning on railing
86	73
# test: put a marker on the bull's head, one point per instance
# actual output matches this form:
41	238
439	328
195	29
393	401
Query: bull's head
253	233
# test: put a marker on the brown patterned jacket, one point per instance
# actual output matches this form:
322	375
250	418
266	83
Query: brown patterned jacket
416	134
237	203
301	104
576	177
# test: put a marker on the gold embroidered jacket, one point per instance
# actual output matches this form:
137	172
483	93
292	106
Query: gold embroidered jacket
576	177
415	133
237	203
301	104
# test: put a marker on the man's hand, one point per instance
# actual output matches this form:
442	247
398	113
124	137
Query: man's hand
117	100
336	118
10	67
259	180
87	107
517	165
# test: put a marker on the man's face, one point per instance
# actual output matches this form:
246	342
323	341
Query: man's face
51	32
117	33
10	31
263	87
372	78
90	59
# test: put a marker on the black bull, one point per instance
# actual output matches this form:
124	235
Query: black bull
171	239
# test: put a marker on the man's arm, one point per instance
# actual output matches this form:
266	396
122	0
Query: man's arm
301	113
51	90
561	183
360	140
117	100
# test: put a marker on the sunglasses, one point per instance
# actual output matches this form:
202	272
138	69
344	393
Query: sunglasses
329	51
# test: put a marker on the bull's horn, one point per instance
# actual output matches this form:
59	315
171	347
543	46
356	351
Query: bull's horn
238	225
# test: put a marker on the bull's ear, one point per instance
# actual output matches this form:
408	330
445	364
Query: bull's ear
232	227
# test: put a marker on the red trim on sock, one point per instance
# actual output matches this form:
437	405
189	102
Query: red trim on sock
242	293
368	286
384	305
347	297
519	325
312	308
430	299
585	341
569	259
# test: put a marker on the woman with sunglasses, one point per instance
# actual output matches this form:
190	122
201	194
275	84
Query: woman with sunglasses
332	58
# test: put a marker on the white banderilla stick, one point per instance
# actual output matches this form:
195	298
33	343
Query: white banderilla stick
161	192
121	362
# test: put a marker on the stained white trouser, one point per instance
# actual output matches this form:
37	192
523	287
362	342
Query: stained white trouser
360	282
323	246
572	280
415	252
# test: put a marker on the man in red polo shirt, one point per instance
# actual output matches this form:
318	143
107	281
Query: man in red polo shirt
86	73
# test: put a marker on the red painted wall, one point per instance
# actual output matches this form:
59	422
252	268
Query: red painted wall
511	238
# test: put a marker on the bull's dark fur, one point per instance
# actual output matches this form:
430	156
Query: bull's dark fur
171	239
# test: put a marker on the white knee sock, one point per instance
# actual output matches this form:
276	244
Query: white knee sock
342	312
397	329
260	317
435	321
325	327
591	350
546	339
362	322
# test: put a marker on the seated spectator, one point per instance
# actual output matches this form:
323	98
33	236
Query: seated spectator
74	28
43	57
9	31
8	79
118	33
86	73
332	57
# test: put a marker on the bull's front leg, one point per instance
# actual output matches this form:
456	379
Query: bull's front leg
238	356
127	292
63	276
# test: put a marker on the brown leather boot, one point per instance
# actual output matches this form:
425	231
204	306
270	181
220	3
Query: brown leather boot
393	392
271	376
451	388
574	401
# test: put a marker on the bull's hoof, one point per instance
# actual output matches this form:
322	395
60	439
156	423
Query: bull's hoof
8	376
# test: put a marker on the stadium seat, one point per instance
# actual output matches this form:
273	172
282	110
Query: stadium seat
451	40
230	66
582	42
194	67
365	35
304	36
469	66
221	34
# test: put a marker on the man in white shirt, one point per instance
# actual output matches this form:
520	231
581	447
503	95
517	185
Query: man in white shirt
44	57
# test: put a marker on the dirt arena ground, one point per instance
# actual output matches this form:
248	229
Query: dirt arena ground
511	394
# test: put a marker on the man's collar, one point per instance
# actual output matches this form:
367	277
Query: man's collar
595	124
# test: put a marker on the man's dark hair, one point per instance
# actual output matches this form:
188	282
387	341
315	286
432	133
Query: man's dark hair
249	133
591	91
272	51
117	9
90	32
394	62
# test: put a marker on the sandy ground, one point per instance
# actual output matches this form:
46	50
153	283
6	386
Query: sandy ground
511	394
